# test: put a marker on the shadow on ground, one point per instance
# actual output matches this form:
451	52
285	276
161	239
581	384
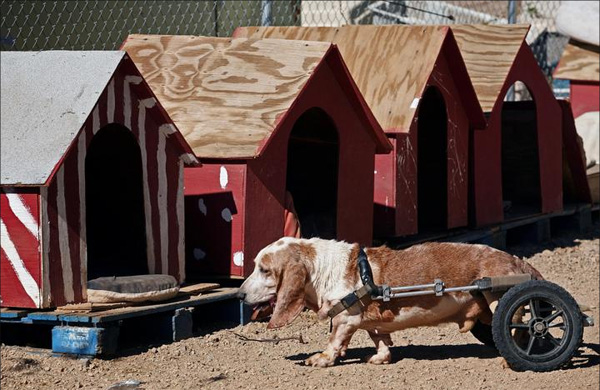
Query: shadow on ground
417	352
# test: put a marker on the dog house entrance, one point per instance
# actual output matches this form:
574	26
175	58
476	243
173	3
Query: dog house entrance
116	234
312	173
432	141
521	192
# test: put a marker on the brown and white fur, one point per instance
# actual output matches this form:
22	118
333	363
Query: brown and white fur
317	273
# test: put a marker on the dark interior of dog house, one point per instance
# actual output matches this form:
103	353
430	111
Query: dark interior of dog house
432	141
521	189
116	236
312	173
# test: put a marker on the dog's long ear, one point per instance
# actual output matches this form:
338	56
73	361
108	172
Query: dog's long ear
290	297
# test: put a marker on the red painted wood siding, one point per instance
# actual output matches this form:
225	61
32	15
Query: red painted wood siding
214	224
258	186
127	101
585	97
402	198
20	266
487	177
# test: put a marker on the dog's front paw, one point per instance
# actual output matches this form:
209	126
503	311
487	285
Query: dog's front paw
380	358
321	359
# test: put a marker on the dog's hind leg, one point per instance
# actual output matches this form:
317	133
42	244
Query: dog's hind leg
383	342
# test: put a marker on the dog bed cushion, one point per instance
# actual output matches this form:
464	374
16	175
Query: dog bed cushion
138	288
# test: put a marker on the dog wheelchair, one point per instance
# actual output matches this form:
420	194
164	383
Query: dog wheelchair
536	326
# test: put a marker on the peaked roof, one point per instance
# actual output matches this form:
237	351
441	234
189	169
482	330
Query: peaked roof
383	60
46	98
489	52
579	62
225	95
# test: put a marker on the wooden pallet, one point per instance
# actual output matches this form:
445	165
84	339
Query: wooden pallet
94	329
534	228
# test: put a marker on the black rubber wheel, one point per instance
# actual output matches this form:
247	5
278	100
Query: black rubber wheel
483	333
537	326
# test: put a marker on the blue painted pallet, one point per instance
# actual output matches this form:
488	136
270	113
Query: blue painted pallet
96	333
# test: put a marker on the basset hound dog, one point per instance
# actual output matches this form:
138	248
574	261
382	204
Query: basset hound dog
295	273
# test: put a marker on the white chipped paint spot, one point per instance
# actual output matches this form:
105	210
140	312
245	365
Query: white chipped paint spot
387	201
167	129
375	172
199	254
223	177
202	206
133	79
226	215
148	103
414	103
238	259
189	158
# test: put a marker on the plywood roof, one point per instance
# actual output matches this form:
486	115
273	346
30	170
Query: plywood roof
579	62
45	99
225	95
390	64
489	52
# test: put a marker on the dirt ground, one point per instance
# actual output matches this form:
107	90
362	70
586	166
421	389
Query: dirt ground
426	358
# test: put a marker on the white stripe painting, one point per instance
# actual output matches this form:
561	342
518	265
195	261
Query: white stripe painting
23	213
45	246
181	224
63	233
110	109
163	212
146	103
29	284
81	154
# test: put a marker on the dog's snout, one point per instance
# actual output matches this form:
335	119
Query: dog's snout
241	295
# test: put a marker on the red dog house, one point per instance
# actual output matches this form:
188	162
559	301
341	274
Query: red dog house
517	159
416	83
274	121
92	177
580	64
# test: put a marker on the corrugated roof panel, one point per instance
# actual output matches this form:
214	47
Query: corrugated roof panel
45	99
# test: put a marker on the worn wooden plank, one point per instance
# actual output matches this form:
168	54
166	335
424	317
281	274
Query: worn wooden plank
178	303
390	64
225	95
489	52
198	288
89	307
579	62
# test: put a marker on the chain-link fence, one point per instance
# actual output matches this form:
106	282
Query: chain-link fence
102	24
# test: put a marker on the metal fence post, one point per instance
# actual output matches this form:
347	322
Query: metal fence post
266	17
512	19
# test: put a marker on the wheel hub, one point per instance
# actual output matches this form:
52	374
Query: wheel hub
538	328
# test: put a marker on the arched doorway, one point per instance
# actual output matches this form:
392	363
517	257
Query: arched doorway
116	235
432	166
312	173
521	187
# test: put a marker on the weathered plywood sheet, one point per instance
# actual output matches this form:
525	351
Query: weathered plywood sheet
225	95
579	62
390	64
489	52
